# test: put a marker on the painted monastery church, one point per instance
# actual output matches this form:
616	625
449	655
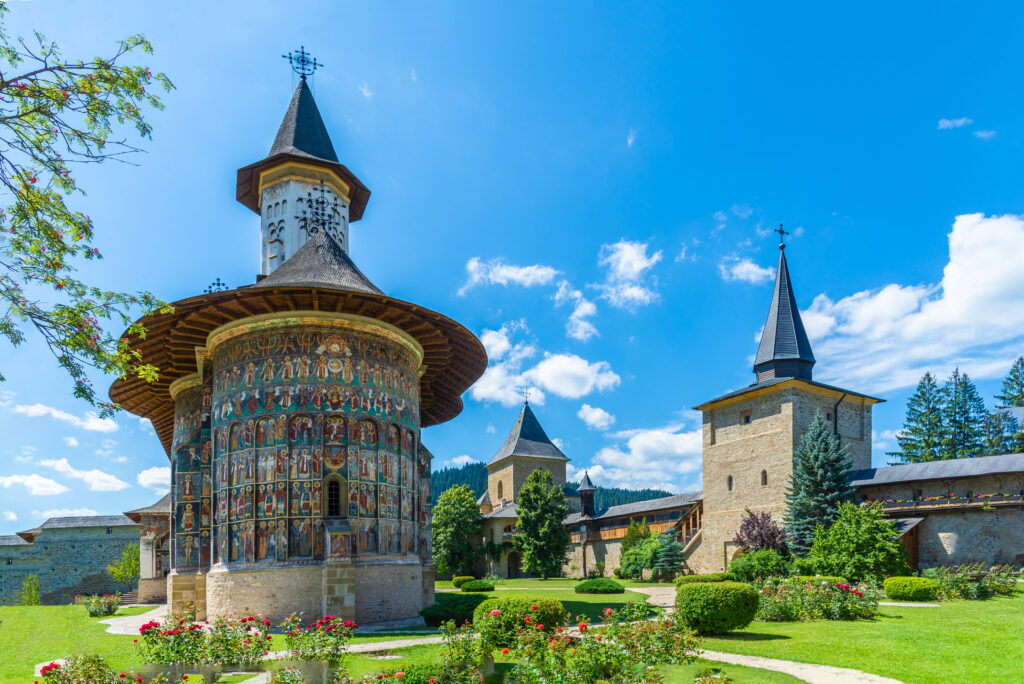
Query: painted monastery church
948	512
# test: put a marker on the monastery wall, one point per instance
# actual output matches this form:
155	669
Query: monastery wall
956	537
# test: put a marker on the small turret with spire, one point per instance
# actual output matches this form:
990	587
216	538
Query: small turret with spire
300	188
586	490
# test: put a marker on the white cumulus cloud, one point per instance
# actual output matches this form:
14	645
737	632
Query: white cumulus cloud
744	270
365	90
89	421
579	325
985	135
71	441
627	283
887	337
9	516
949	124
631	137
497	272
461	460
157	478
571	377
666	458
37	485
97	480
595	418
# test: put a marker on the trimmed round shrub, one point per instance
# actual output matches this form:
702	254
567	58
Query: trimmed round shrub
512	613
459	580
716	607
910	588
477	585
457	607
600	585
710	577
819	578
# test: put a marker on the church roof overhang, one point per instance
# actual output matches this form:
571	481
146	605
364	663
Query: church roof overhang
453	358
1004	464
779	384
247	190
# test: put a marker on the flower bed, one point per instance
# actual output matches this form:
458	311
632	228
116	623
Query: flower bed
99	606
180	641
322	640
91	669
792	601
972	582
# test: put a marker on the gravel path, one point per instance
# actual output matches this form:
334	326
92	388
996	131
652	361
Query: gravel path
130	624
815	674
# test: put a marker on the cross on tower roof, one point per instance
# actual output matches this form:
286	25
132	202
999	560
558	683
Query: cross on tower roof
302	63
526	395
782	236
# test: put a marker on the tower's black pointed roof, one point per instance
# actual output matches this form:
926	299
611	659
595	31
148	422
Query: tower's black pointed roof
585	484
302	131
785	350
320	263
527	438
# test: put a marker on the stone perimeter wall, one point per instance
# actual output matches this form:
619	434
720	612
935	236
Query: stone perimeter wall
67	561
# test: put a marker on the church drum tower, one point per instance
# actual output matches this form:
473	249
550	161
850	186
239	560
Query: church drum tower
291	409
750	435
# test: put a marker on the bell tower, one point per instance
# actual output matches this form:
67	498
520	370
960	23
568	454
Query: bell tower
300	187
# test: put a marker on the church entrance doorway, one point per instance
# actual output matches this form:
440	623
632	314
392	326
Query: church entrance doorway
514	565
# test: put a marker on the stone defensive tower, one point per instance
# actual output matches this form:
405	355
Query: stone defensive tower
750	434
291	409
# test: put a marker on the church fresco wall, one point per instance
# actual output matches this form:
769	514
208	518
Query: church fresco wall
294	409
191	473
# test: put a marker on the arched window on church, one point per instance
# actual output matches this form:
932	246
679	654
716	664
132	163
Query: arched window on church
728	482
284	206
334	505
501	491
764	478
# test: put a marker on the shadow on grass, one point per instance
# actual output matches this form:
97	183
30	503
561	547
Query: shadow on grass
752	636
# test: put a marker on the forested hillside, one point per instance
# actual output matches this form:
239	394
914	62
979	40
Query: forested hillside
475	475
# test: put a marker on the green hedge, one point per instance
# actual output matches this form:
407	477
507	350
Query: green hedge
710	577
819	578
716	607
512	612
477	585
459	580
456	607
910	588
600	585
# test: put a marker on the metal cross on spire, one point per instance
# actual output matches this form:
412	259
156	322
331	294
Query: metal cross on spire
782	236
526	395
302	63
318	212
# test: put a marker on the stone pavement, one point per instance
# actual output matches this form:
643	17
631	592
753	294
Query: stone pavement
130	624
814	674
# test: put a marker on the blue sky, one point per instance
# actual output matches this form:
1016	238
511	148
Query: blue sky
587	188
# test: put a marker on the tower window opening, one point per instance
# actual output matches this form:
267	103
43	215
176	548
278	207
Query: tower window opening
501	491
333	499
828	415
764	478
728	482
745	416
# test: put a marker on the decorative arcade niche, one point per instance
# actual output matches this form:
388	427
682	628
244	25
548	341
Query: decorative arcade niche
316	447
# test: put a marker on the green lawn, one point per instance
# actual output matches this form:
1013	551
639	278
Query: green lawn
589	605
34	634
961	641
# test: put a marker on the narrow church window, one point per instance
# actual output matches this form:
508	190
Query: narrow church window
284	206
501	490
728	482
333	499
110	530
10	561
745	416
828	415
764	478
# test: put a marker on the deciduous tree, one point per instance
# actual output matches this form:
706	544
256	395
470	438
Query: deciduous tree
126	570
820	482
862	544
456	531
759	532
56	115
543	538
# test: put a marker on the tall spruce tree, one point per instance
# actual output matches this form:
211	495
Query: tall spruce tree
1011	396
820	482
543	538
669	559
921	438
964	417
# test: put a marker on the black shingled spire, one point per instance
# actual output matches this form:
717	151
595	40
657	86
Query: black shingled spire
585	484
321	263
302	131
785	351
527	438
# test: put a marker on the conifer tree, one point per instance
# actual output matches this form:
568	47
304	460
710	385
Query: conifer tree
820	482
668	560
921	438
1012	396
964	417
543	538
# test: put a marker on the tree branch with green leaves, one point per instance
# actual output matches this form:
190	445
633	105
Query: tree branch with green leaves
55	115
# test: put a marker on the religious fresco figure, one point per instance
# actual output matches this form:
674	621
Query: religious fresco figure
282	498
271	540
282	464
204	513
318	538
204	548
248	541
282	539
353	501
235	543
188	519
187	488
261	541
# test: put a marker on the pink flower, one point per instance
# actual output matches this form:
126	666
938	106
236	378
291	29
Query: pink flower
608	611
495	613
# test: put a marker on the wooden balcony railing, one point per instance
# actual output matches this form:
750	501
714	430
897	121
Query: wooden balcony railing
973	502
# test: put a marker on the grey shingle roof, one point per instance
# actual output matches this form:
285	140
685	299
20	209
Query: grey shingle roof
527	438
484	500
87	521
161	506
302	131
506	511
784	337
939	470
12	540
778	381
904	525
320	263
640	507
585	484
